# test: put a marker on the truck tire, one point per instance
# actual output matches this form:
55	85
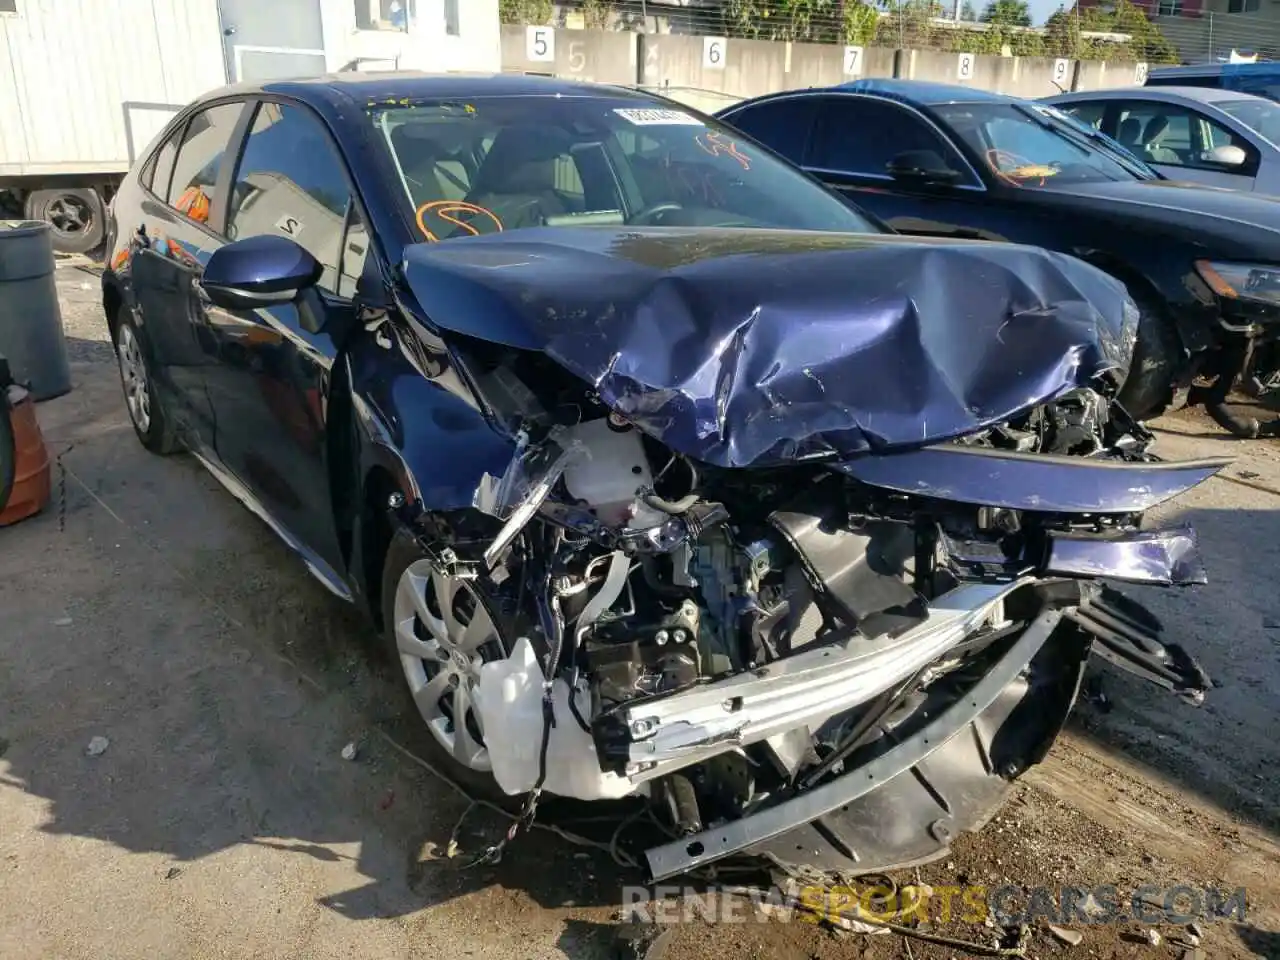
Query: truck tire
77	215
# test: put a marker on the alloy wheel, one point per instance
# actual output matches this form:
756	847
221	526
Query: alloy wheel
133	375
444	633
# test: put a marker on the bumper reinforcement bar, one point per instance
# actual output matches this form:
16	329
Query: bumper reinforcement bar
701	848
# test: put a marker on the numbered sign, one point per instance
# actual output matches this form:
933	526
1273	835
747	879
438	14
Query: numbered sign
1061	71
713	52
540	44
852	61
964	66
1140	73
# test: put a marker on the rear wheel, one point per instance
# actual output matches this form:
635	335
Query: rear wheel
76	215
1158	358
150	421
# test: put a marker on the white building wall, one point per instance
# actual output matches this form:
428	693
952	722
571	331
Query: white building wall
425	46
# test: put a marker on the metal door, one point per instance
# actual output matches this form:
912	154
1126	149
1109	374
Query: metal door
272	41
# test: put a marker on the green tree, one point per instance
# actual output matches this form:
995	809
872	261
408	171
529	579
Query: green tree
1007	13
525	11
860	22
967	13
1064	35
817	21
597	14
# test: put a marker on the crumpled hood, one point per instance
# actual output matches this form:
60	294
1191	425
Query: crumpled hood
743	347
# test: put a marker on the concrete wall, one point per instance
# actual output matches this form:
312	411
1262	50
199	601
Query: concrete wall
711	73
595	55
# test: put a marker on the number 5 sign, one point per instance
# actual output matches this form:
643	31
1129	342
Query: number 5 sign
964	67
540	44
713	52
852	61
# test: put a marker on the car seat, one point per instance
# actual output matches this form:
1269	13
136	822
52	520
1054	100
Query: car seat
431	173
1152	149
1130	133
517	180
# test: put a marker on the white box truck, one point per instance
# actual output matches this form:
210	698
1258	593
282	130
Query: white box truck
86	84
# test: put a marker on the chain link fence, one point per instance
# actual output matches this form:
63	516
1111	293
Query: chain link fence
1115	30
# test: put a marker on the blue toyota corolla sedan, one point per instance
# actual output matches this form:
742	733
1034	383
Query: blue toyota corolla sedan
662	470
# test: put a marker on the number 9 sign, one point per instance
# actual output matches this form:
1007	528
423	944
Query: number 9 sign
964	67
1061	68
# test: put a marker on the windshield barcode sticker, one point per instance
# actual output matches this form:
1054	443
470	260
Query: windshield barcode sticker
657	118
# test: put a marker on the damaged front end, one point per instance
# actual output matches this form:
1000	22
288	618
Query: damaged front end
799	664
815	609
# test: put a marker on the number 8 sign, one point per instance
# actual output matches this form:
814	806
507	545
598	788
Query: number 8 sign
964	67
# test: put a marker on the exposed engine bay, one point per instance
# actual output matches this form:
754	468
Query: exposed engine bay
729	642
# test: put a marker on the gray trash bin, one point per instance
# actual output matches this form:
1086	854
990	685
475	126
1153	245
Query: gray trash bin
31	334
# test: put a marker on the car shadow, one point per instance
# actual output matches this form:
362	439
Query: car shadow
159	614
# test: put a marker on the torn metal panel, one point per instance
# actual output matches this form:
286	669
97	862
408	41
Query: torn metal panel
750	347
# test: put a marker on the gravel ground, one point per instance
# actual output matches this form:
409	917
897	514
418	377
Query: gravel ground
222	821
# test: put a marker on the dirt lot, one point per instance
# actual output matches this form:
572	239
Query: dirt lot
147	607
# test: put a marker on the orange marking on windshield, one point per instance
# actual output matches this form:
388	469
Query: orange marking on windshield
714	143
443	209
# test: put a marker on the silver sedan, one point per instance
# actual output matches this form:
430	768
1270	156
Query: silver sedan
1220	138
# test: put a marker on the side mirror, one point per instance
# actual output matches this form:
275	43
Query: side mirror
1227	156
922	166
259	272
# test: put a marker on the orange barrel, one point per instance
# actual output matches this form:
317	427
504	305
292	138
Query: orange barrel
28	491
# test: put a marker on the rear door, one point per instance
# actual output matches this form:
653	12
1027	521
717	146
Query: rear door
177	233
270	387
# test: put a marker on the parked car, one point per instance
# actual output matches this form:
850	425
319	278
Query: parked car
1195	134
1260	79
948	161
660	468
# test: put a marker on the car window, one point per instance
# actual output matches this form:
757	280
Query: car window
156	175
291	182
1261	116
858	135
784	125
1090	113
199	160
505	163
1169	134
1028	146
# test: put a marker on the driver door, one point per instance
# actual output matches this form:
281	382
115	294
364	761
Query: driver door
855	138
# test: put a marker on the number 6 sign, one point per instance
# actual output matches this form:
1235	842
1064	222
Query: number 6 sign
713	51
964	67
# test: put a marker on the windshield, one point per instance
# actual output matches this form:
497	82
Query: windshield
1261	116
1032	146
503	163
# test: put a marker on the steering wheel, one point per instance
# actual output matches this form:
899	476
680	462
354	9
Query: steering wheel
653	210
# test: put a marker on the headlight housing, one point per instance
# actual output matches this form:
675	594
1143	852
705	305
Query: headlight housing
1246	282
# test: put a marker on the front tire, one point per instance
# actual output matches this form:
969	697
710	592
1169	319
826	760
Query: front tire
141	398
1158	358
438	629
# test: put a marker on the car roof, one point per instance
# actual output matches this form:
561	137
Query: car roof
923	92
1215	69
1167	94
366	87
